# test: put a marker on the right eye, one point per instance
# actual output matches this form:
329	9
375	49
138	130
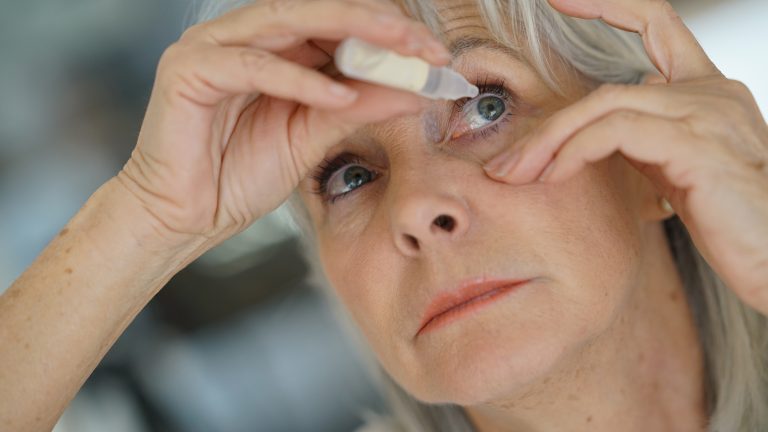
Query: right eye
347	179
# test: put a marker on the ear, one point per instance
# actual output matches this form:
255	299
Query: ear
654	78
648	200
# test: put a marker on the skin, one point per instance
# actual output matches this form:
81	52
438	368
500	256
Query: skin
603	274
240	116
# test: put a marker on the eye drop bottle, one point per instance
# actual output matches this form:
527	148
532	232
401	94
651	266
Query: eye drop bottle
360	60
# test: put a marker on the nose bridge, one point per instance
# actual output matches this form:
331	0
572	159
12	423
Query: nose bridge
427	209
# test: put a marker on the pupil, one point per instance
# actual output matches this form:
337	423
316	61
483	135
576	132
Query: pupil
490	107
356	176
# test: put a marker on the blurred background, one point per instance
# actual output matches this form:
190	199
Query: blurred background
240	340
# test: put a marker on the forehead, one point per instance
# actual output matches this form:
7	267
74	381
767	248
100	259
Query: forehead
460	24
460	18
447	18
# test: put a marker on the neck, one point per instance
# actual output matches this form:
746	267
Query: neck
645	373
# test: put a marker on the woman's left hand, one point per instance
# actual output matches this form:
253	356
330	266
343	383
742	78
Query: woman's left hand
699	137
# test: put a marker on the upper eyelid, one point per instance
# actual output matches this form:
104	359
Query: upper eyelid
504	92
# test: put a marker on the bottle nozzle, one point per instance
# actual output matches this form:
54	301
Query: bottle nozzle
457	86
446	83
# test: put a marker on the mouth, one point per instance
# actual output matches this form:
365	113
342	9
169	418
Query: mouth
470	296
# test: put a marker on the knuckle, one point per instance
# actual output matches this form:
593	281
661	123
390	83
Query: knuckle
193	33
689	129
738	88
282	7
625	117
388	5
354	9
255	60
610	91
171	58
664	8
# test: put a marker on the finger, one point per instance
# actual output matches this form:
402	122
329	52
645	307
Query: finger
533	152
640	137
669	43
314	131
208	74
321	19
381	5
308	55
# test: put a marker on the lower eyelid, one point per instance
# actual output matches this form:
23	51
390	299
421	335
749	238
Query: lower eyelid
473	135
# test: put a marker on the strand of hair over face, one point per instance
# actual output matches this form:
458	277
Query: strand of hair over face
734	337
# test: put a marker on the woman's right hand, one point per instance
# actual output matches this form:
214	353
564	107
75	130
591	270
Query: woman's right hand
239	113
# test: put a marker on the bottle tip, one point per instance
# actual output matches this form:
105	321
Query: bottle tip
461	87
472	91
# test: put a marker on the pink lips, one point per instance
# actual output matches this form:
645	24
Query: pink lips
470	296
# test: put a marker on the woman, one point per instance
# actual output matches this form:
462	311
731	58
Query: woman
585	304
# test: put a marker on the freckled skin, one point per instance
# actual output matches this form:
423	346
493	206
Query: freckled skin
546	355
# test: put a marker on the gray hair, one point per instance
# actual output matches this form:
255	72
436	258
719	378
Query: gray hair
733	336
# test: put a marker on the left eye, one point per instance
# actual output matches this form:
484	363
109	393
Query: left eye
479	113
484	111
347	179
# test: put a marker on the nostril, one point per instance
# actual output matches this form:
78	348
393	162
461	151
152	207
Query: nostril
445	222
412	242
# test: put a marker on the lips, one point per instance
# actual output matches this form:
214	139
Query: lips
468	296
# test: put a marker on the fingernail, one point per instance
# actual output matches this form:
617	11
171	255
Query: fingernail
547	172
342	92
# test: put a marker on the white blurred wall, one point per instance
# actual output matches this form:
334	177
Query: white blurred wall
735	35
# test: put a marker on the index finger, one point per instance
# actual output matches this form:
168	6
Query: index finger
669	43
379	23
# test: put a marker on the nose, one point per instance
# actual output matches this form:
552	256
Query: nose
427	219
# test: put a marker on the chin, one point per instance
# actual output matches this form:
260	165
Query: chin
484	362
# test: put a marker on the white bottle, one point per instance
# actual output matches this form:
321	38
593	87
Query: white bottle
358	59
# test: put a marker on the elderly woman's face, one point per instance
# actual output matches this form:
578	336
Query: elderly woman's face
417	220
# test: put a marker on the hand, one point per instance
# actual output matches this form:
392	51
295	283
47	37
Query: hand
699	137
239	112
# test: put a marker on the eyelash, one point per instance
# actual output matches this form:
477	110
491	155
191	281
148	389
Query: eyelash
488	86
327	168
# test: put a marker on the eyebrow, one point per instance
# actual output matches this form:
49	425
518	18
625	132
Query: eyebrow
462	45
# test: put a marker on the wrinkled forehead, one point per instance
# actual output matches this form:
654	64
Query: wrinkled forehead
447	18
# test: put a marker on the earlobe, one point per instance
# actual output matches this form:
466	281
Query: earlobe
657	209
652	205
666	207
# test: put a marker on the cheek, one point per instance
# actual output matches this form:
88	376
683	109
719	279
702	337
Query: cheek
597	246
363	275
582	238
